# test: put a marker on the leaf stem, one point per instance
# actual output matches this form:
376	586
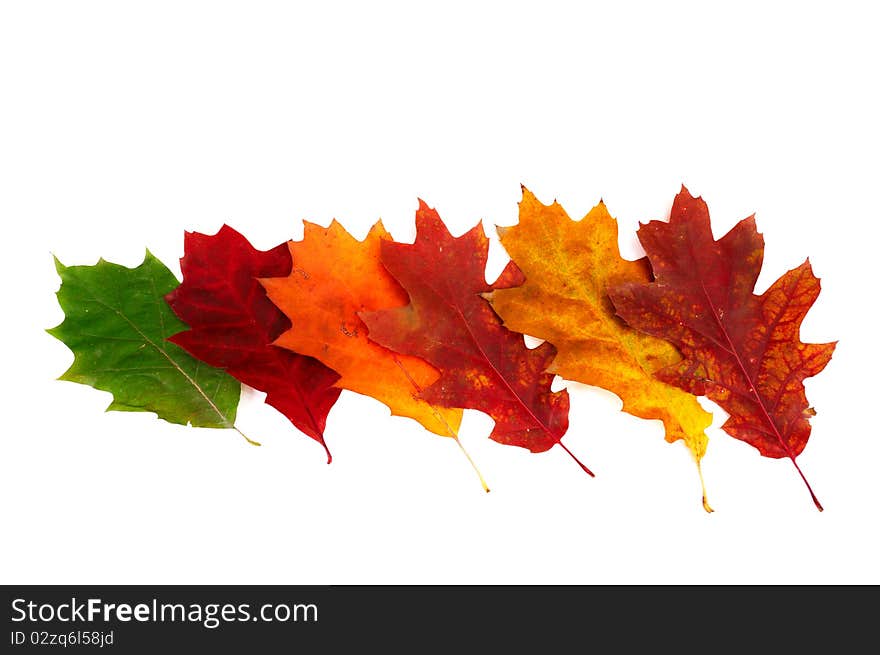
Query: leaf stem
706	505
452	433
246	438
473	464
809	488
579	462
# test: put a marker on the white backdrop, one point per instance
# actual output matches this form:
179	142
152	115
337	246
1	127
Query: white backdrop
123	124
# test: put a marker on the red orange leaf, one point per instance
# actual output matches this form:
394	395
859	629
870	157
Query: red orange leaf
741	350
233	323
482	364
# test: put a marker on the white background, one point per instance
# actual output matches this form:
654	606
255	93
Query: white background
123	124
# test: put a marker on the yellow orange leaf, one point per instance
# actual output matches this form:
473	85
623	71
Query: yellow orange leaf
568	267
334	277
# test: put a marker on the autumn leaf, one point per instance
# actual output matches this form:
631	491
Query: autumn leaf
568	265
334	277
741	350
483	365
117	324
233	323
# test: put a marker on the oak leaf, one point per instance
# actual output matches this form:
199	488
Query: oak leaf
568	266
482	364
117	324
232	326
335	277
741	350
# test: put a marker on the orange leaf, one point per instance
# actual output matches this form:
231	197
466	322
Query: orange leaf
334	277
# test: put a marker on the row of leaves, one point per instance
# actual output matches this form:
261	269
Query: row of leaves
417	327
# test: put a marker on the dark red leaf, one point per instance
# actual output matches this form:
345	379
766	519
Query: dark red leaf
741	350
233	323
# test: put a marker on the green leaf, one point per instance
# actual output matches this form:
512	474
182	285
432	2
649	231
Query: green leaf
117	324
